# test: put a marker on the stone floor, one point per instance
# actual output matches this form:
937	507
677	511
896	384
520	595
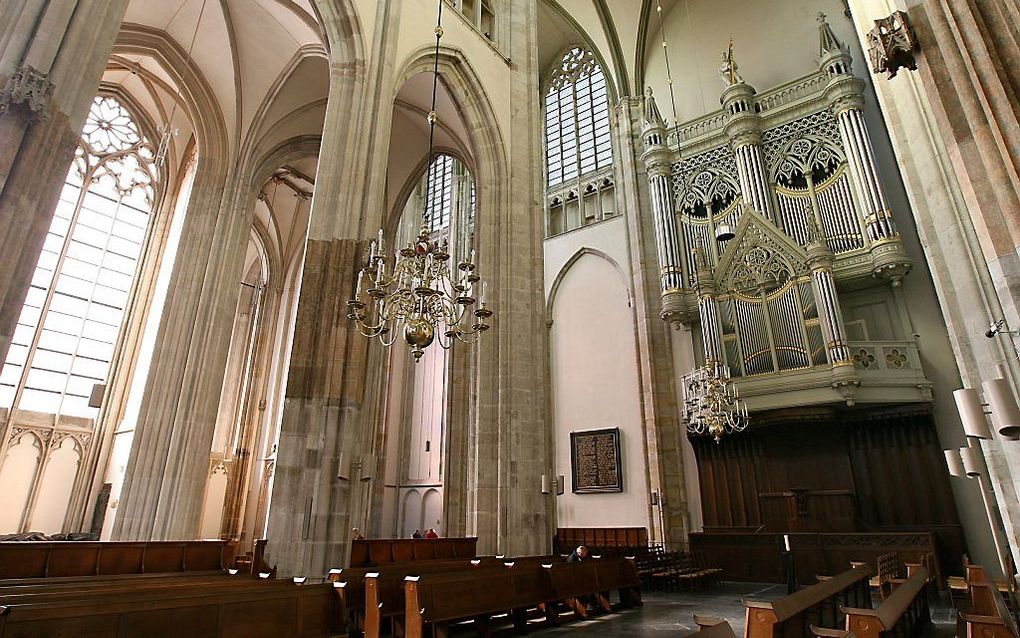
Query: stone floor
671	612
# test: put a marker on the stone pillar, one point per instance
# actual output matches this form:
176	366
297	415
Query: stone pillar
953	125
658	162
513	437
743	128
656	340
164	483
330	407
52	56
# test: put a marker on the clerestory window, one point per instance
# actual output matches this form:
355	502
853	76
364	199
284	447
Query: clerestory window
577	136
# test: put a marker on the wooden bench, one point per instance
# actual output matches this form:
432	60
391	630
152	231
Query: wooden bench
987	613
380	551
46	559
904	612
193	607
439	600
819	604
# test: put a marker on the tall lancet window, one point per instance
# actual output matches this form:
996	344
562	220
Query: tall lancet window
68	328
578	146
576	118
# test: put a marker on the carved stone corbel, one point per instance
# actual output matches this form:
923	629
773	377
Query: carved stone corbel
27	91
893	44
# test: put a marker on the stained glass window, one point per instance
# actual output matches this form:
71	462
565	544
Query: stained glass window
69	325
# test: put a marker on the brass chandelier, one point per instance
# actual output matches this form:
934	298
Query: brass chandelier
427	294
711	402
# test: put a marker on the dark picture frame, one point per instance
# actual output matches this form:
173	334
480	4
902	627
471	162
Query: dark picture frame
596	465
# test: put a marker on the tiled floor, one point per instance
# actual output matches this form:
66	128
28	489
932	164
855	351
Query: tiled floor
670	613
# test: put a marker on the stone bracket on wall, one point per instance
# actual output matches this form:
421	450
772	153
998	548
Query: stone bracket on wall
893	44
27	92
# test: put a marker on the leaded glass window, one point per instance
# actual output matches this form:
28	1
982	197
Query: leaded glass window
577	118
69	325
447	186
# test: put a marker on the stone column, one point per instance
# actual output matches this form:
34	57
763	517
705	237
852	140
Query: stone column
658	163
52	56
655	339
743	128
513	435
330	406
953	125
164	483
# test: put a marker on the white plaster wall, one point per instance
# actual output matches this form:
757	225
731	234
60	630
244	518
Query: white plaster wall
19	467
593	370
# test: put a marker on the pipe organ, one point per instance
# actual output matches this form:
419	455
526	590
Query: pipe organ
794	172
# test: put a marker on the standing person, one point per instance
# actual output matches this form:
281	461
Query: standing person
578	554
431	533
417	534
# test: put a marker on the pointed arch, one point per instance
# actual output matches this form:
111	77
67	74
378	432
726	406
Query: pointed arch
561	275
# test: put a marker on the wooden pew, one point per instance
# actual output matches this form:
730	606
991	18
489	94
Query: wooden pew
384	590
380	551
267	610
46	559
819	604
904	611
987	614
442	599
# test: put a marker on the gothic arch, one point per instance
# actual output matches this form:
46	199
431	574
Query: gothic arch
561	275
486	138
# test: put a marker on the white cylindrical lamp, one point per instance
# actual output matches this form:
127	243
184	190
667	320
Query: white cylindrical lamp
954	462
968	402
971	461
1005	412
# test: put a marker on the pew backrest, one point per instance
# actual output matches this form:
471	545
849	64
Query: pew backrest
868	623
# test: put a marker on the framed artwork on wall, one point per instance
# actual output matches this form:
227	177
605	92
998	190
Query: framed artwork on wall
595	462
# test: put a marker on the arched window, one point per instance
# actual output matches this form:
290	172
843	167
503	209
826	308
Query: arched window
576	118
446	189
69	325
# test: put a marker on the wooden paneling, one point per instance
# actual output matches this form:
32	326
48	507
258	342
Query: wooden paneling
31	559
568	538
380	551
884	464
758	557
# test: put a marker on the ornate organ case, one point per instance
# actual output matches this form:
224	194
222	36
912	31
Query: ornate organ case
791	174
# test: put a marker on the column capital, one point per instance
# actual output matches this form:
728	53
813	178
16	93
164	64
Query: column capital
819	257
845	93
658	162
29	91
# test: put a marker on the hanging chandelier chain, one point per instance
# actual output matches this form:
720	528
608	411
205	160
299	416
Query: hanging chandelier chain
432	113
665	55
168	132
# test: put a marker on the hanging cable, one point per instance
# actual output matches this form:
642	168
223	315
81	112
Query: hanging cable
164	142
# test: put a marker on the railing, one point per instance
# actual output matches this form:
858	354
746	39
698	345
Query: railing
888	356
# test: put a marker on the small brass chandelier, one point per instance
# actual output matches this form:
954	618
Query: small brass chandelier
711	402
427	294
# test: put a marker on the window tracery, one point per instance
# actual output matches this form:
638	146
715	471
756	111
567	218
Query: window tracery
576	118
69	325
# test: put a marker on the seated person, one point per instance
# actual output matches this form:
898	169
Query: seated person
578	555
